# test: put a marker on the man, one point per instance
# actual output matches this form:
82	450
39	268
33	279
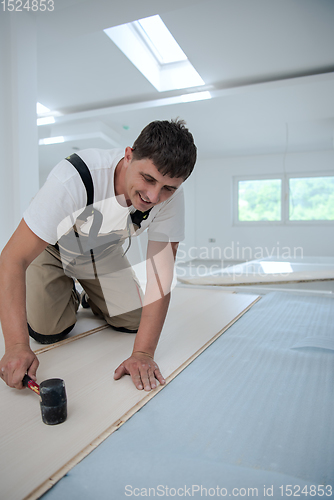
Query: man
76	227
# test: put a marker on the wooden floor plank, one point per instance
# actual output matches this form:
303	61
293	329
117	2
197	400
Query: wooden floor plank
229	278
97	405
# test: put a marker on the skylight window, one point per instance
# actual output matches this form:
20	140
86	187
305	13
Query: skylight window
160	40
150	46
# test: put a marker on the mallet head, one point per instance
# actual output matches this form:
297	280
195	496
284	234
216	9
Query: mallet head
52	399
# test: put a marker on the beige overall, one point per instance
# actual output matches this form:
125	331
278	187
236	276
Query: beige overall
52	302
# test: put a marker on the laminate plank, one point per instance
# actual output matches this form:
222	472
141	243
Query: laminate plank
39	455
229	278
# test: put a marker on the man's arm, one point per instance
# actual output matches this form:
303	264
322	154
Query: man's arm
141	365
23	247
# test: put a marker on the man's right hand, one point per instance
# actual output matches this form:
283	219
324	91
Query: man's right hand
23	247
18	360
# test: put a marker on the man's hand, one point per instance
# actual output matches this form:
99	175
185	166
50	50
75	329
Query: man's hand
160	265
17	361
143	370
23	247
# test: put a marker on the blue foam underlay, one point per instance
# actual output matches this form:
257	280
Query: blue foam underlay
252	411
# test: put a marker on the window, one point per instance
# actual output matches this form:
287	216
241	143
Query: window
159	40
259	200
311	198
284	199
150	46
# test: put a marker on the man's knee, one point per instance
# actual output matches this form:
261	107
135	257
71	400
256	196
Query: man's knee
52	317
127	322
49	339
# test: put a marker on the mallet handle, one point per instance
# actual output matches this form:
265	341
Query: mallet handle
30	383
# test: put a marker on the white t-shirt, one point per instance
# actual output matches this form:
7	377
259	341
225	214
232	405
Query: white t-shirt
55	207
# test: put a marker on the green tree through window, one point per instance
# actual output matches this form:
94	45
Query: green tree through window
311	198
259	200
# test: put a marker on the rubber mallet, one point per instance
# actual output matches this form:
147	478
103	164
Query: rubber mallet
52	399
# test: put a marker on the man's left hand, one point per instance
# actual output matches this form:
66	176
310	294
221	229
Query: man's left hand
143	370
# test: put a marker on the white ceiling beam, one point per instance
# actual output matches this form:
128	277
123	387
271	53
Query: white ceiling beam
185	97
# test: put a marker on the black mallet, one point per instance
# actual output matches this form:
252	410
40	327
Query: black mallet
52	399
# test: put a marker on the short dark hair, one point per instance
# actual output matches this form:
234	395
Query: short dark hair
169	145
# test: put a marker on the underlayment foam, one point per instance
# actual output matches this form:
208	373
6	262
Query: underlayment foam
252	411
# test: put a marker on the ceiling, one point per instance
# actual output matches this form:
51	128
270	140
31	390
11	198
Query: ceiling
268	64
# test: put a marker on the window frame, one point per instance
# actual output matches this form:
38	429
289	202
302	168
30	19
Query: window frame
285	199
301	176
236	180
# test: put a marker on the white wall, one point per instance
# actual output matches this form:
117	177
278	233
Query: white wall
212	190
18	129
185	247
6	184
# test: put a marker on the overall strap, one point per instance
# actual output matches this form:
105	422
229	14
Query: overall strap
85	175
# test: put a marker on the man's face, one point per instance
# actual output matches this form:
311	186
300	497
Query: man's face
145	186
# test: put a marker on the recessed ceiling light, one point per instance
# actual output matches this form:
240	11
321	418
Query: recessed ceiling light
46	120
196	96
51	140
